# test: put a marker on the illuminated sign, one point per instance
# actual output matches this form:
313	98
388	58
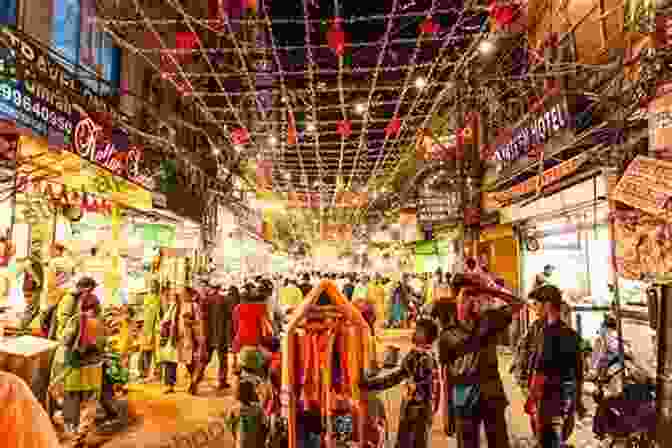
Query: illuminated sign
87	144
538	132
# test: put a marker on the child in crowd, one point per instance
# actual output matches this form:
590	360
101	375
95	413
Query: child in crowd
419	370
247	420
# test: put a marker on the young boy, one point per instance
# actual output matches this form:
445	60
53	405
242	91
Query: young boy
247	419
419	370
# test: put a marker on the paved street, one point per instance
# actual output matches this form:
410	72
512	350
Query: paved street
180	413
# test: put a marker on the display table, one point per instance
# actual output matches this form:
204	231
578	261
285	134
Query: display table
25	354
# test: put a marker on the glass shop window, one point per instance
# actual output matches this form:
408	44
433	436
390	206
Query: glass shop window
77	35
8	12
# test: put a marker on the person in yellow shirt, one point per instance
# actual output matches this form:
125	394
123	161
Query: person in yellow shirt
376	297
290	296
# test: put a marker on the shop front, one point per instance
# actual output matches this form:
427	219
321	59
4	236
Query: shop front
64	199
441	252
179	255
499	252
568	232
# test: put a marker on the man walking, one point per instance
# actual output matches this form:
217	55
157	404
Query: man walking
554	364
220	314
468	350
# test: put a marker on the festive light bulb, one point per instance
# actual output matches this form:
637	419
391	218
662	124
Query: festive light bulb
486	47
310	127
420	83
360	108
272	140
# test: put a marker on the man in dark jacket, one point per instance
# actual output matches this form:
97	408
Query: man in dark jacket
551	371
468	350
220	313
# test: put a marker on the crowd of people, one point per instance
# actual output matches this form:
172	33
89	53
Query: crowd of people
453	358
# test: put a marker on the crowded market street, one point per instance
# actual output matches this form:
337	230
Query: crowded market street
335	224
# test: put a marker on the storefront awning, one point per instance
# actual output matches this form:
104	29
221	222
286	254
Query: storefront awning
38	163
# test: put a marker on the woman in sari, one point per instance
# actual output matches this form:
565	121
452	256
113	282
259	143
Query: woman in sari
65	309
84	342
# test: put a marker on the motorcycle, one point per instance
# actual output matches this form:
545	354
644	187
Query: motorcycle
627	418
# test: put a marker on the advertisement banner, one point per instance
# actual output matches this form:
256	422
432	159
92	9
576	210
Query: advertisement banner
647	185
660	121
496	200
642	249
77	174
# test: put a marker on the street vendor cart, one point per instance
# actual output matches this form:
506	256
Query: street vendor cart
24	355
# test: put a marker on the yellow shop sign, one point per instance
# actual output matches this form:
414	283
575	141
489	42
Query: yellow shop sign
76	174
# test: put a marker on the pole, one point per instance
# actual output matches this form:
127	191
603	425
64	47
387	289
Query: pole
612	179
664	370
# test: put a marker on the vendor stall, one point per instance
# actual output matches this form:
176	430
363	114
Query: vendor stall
325	382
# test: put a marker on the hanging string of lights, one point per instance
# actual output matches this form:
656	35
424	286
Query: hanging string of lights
410	110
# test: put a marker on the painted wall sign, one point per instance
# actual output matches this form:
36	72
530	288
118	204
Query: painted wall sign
503	199
647	186
535	132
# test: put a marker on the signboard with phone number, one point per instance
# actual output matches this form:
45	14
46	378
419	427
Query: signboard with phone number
18	103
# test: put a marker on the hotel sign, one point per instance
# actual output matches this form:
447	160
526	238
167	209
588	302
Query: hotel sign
535	132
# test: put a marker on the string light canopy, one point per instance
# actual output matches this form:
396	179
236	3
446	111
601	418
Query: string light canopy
331	96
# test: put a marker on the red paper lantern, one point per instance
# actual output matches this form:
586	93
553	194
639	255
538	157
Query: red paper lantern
240	136
344	128
393	127
503	14
336	37
428	26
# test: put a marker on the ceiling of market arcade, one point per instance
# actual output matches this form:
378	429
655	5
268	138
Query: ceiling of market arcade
328	95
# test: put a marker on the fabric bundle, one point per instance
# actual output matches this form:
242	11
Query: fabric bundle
322	359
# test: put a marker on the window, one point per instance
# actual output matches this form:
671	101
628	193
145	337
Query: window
66	28
77	36
8	12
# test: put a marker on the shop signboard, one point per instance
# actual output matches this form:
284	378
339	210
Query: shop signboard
343	199
535	131
660	120
647	185
495	200
45	96
79	175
